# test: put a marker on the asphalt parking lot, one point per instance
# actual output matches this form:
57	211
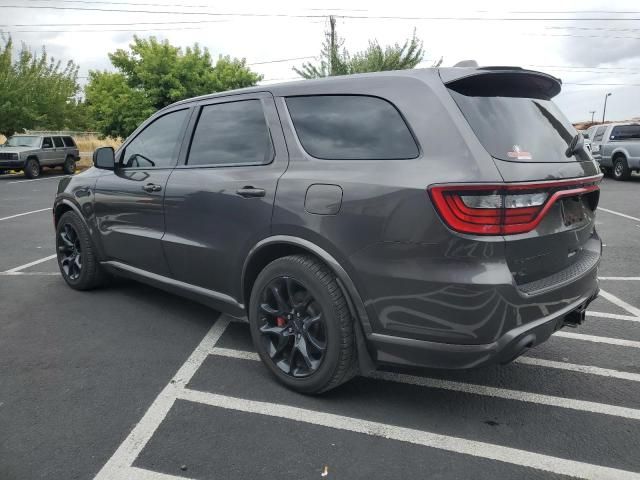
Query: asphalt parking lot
131	383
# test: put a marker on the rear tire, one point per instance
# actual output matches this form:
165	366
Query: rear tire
32	168
77	257
621	169
304	334
69	166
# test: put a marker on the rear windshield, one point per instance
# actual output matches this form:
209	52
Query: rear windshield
518	128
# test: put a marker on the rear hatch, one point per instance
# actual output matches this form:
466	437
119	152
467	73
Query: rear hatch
546	208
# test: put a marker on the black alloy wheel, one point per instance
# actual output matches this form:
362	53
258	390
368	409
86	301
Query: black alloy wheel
292	327
70	252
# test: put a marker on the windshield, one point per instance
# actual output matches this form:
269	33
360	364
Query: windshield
23	141
518	128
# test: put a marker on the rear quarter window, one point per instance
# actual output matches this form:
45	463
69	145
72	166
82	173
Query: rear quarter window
351	127
68	142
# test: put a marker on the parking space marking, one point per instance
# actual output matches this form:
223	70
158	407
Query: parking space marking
119	465
417	437
476	389
620	278
614	316
621	303
25	213
619	214
135	473
593	338
538	362
59	177
30	274
27	265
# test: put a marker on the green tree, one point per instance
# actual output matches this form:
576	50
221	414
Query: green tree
35	90
116	109
336	60
153	74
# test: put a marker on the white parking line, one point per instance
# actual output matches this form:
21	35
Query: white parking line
59	177
592	338
417	437
30	264
117	467
619	214
29	274
25	213
614	316
538	362
635	279
475	389
621	303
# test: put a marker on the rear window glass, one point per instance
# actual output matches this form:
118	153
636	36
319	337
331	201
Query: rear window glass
68	141
625	132
57	141
349	127
518	128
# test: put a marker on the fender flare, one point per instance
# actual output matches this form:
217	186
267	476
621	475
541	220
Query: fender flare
344	280
77	210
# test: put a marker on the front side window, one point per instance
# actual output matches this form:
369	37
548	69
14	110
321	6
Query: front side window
57	141
47	143
625	132
351	127
599	134
234	133
158	145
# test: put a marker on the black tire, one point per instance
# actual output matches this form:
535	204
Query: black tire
308	278
32	168
86	272
69	166
620	168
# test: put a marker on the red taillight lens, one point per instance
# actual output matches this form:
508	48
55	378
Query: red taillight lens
504	209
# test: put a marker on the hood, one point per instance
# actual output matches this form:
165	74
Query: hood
4	149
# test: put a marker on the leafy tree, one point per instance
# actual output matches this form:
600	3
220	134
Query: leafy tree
153	74
115	108
35	90
336	60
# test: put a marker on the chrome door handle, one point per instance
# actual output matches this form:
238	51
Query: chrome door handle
249	192
151	187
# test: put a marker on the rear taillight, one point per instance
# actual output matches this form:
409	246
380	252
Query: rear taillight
504	209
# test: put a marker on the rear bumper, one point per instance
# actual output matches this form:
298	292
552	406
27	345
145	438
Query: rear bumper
420	353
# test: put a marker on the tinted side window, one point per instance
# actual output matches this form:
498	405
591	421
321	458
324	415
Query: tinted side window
599	134
625	132
158	144
47	143
232	133
68	142
344	127
57	141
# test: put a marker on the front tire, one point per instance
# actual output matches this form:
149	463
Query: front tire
621	169
32	168
301	326
77	257
69	166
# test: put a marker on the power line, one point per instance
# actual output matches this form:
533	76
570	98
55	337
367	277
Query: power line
286	15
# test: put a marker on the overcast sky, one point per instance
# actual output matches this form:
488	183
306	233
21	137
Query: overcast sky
582	42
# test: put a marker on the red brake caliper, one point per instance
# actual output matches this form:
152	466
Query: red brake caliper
280	321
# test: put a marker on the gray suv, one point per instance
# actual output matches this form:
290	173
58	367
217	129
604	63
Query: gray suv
31	153
616	147
440	218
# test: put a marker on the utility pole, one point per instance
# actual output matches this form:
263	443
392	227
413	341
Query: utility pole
332	43
604	110
592	112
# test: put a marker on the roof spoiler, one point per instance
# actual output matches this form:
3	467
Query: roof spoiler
501	82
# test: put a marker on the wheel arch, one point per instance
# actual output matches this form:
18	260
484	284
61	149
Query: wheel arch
619	152
278	246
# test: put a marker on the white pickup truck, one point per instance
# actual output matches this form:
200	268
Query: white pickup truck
616	147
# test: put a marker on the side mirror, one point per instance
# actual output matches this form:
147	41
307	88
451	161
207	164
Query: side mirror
104	158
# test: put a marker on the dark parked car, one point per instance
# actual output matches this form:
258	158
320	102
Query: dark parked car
31	153
441	217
